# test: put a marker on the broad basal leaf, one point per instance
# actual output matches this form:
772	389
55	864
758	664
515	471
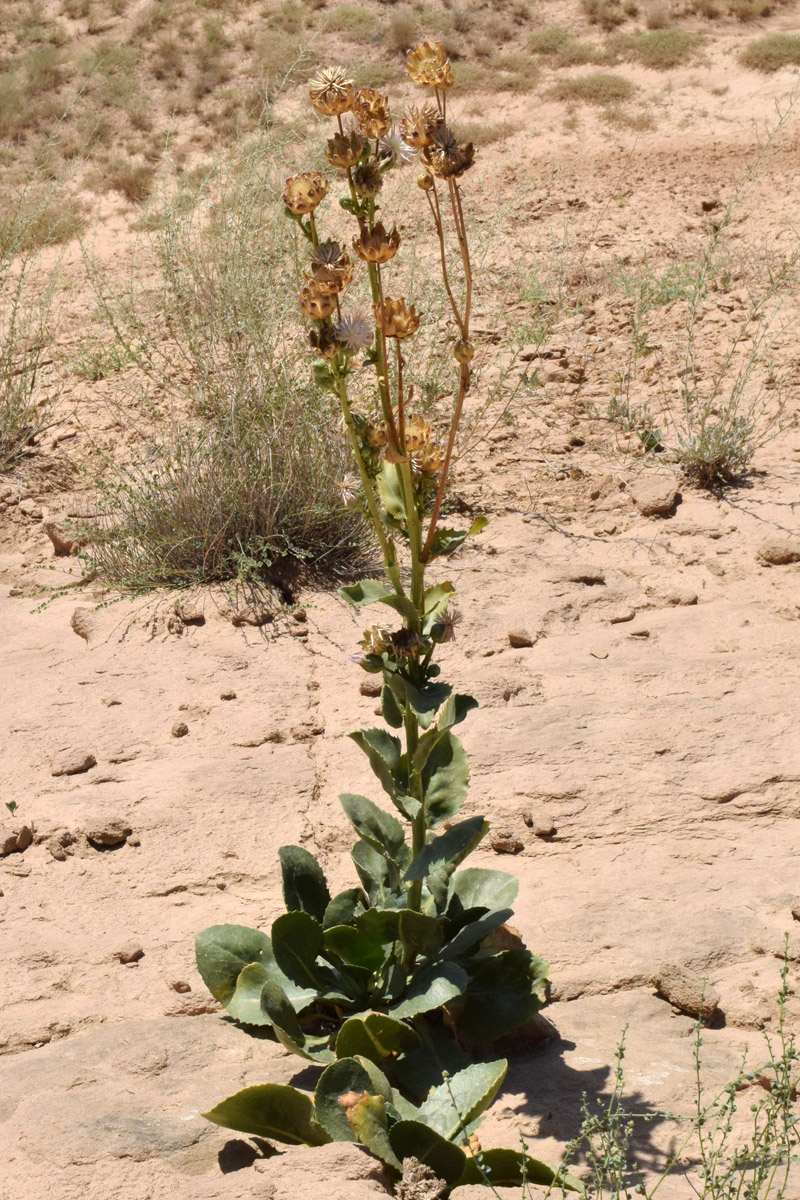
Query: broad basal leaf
475	887
445	779
223	951
305	888
271	1110
345	1077
245	1003
449	849
297	941
413	1139
431	987
344	908
513	1168
473	932
505	991
456	1104
375	1036
383	831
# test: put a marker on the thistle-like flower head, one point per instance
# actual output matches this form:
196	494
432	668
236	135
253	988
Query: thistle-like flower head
419	123
354	332
345	149
323	340
405	643
428	65
395	148
368	178
376	434
302	193
331	92
315	304
376	245
446	157
418	433
349	488
372	112
445	628
428	461
395	319
377	639
331	269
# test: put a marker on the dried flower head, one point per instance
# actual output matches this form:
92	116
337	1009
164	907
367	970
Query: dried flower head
395	149
405	643
354	332
315	304
428	64
331	92
345	149
376	434
302	193
368	178
331	269
463	352
418	433
419	124
377	639
349	488
395	319
372	112
446	157
425	181
445	628
323	340
428	461
376	245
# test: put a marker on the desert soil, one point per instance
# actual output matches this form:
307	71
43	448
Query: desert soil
650	728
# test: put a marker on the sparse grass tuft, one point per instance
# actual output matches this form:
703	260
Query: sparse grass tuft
772	52
353	21
658	49
608	14
601	88
561	47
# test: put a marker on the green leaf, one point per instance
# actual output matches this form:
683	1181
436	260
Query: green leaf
343	1076
344	908
512	1168
305	888
354	946
420	934
323	377
272	1110
368	1118
390	491
455	710
277	1008
420	1070
297	941
412	1139
380	829
375	872
245	1003
383	751
431	987
437	598
447	540
425	701
455	1104
375	1036
366	591
505	991
476	887
223	951
392	713
474	931
449	849
445	779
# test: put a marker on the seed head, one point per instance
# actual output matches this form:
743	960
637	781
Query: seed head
425	181
345	149
396	149
376	434
376	640
302	193
405	643
463	352
354	332
372	112
323	340
331	92
377	245
445	628
331	269
349	489
428	65
395	319
429	461
368	178
419	124
418	433
446	157
315	304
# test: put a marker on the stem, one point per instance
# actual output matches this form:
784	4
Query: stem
380	342
436	212
418	825
463	388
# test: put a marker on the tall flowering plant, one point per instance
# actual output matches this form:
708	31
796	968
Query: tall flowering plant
389	985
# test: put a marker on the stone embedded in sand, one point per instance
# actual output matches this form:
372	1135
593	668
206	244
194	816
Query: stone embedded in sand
621	616
73	762
61	844
778	552
14	840
129	954
190	612
505	842
370	687
654	497
680	597
686	990
227	695
796	909
520	639
251	614
179	985
65	540
108	832
83	622
180	729
540	821
582	572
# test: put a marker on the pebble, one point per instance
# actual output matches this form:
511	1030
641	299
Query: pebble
598	652
29	508
299	631
129	954
505	842
111	701
686	990
520	638
13	841
540	821
227	695
588	573
108	832
180	729
64	539
61	844
179	985
370	687
654	497
82	622
639	633
251	615
680	597
796	909
621	616
300	616
134	840
778	552
73	762
190	612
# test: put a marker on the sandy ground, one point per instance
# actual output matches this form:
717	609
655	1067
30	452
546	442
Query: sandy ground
651	725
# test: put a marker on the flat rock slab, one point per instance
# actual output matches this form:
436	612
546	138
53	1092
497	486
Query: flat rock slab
654	497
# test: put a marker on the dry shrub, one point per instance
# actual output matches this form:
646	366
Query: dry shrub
403	29
772	52
353	21
561	47
658	14
601	88
608	14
